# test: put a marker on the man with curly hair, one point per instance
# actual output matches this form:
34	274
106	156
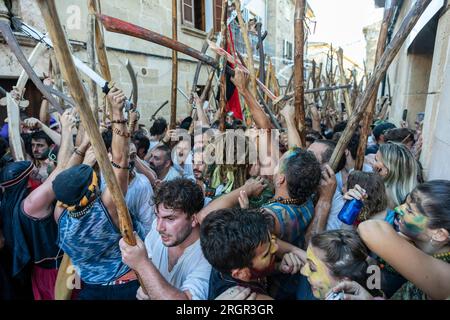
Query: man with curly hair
171	264
296	179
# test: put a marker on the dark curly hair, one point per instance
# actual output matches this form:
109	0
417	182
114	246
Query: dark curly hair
180	194
229	237
141	141
42	135
374	185
302	171
158	127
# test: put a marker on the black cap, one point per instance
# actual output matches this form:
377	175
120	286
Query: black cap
381	128
72	184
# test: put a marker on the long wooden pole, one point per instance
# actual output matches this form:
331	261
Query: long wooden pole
90	48
223	81
70	74
299	94
100	50
248	46
100	43
343	80
173	103
368	116
14	128
388	56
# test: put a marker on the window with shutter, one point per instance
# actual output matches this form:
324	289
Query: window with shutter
217	15
187	7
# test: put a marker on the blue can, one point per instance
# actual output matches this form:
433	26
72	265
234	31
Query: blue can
350	211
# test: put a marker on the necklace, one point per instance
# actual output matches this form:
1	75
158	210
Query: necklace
445	256
285	201
81	213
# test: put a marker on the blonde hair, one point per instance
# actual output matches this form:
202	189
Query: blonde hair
403	171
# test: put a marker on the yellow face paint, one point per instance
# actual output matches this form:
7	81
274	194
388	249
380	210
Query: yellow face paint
317	273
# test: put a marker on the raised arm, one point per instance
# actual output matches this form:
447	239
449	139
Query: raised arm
38	204
327	189
143	168
202	118
36	123
119	148
430	275
288	113
252	187
240	80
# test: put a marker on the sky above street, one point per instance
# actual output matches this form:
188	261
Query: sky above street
341	22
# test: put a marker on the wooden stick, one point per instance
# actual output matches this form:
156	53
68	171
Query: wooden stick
381	68
37	52
232	60
262	56
368	116
199	68
343	80
268	79
69	71
14	129
100	49
90	48
248	46
100	43
299	87
173	102
223	82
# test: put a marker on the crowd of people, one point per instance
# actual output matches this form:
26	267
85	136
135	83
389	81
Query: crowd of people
209	228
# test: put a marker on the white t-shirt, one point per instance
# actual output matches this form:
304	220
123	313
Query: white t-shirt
172	174
192	271
337	203
139	201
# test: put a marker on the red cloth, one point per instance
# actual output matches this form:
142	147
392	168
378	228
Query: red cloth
43	283
233	102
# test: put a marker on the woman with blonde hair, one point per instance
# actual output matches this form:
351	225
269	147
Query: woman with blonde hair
399	169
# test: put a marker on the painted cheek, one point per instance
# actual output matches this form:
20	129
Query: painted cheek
416	224
305	271
320	278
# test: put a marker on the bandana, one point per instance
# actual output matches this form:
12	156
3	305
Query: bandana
74	187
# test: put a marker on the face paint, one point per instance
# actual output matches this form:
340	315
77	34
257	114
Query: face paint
317	273
412	223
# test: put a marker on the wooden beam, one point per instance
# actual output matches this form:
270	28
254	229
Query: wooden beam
173	103
14	129
343	81
248	46
299	89
368	116
388	56
223	82
90	48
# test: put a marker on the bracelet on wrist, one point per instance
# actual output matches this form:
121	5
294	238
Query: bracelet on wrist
119	121
121	133
78	152
115	165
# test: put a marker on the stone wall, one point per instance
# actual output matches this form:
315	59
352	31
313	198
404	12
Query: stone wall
421	82
151	62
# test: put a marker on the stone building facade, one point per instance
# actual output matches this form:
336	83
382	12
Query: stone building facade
151	62
419	79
